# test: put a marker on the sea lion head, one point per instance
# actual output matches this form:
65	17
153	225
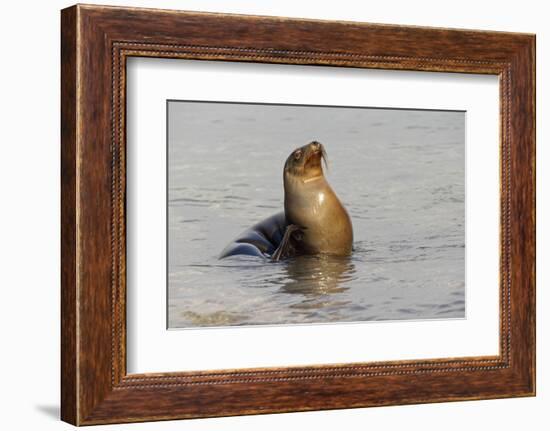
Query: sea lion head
304	163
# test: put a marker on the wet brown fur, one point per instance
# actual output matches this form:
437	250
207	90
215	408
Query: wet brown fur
312	205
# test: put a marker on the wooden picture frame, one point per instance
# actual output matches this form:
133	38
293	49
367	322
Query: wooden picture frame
95	43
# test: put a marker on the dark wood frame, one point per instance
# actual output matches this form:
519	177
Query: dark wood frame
95	43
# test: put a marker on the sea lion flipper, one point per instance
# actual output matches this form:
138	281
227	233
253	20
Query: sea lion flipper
286	247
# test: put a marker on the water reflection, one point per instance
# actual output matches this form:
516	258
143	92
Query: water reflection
317	275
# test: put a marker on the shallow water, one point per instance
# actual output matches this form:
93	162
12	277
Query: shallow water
400	174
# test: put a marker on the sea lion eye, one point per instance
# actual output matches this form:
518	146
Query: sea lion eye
298	154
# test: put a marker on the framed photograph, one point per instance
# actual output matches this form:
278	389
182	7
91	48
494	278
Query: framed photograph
264	214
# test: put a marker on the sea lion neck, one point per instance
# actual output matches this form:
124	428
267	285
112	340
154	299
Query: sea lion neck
300	183
309	180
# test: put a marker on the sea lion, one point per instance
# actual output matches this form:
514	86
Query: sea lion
260	240
314	220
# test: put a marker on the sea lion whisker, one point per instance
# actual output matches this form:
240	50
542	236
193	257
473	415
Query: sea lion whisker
324	157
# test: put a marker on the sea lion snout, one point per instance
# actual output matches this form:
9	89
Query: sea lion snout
316	146
315	149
